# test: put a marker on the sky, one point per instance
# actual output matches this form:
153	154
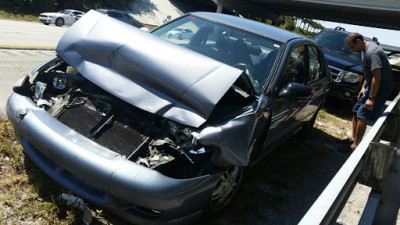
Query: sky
385	36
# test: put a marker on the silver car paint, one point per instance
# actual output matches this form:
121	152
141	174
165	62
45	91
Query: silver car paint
146	71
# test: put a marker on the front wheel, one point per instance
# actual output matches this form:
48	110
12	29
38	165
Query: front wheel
226	188
59	22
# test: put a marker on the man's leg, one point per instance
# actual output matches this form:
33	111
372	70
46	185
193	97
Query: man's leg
354	123
360	130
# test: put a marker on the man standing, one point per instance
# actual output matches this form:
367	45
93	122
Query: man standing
377	86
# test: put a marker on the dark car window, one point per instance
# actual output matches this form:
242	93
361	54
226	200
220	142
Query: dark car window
295	68
253	54
335	41
76	13
114	14
316	68
66	12
126	16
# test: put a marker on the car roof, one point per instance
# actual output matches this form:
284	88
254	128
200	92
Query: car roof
251	26
344	32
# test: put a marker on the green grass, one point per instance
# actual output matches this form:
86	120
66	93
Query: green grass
18	16
27	195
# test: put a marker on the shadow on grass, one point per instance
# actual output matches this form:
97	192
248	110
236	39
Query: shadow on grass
283	186
194	5
339	108
143	7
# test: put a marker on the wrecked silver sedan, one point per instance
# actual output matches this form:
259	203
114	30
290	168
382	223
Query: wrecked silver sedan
160	130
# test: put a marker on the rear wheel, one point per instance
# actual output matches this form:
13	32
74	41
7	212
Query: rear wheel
226	188
59	22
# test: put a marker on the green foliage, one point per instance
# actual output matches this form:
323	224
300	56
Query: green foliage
289	23
303	26
303	32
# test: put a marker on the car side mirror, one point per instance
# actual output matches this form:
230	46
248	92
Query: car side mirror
295	91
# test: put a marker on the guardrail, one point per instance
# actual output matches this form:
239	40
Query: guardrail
375	163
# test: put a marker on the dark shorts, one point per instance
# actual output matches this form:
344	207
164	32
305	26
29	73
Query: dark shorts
363	113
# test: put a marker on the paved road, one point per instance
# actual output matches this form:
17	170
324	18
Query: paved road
29	34
13	65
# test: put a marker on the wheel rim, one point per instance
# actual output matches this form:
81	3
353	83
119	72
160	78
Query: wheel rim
226	188
59	22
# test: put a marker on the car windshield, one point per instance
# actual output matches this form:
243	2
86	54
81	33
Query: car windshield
253	54
335	42
66	12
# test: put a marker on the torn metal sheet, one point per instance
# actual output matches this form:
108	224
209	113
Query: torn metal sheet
144	70
233	138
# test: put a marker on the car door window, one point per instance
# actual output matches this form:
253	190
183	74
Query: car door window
295	69
316	68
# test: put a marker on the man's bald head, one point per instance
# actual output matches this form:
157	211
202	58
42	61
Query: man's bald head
355	42
353	37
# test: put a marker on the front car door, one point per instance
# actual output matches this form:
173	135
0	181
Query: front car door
285	111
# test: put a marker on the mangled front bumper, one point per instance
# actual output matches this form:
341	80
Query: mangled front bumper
139	194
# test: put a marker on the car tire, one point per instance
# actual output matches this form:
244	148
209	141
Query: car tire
59	22
225	190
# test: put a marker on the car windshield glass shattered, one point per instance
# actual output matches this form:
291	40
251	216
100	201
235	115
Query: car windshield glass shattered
335	42
253	54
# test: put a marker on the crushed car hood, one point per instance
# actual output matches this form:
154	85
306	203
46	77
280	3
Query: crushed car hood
144	70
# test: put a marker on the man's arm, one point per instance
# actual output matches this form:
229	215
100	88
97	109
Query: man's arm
361	93
375	84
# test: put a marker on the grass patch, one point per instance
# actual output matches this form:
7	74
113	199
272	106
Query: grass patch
18	16
332	125
23	198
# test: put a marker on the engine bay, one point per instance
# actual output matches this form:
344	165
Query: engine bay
137	135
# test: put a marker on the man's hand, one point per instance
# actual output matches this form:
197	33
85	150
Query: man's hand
369	105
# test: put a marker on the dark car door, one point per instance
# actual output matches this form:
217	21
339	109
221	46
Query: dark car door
304	65
283	110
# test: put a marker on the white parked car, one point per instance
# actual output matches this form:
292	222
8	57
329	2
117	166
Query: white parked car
180	33
66	17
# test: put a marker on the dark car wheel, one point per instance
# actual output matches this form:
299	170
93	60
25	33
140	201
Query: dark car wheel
59	22
226	188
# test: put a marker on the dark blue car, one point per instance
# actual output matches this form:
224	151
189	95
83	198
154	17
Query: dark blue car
161	130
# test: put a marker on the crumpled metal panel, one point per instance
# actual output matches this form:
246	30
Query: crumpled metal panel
233	138
144	70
